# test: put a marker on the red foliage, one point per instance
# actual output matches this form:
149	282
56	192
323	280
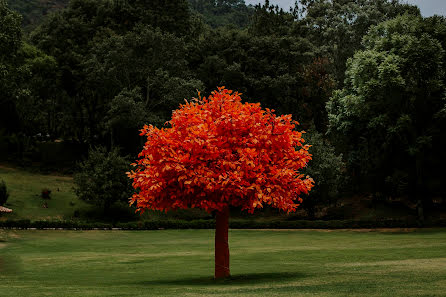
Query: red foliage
219	151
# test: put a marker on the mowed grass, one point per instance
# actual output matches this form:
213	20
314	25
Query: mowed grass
263	263
25	195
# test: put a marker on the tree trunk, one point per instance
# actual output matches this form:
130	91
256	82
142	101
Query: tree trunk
221	244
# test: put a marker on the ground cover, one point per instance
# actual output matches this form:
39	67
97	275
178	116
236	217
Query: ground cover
263	263
25	195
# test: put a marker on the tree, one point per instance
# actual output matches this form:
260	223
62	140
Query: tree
103	46
39	104
326	168
270	68
126	114
33	11
270	20
219	152
336	27
393	106
223	12
100	179
10	43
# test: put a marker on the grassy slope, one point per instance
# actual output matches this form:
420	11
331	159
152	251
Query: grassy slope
25	189
264	263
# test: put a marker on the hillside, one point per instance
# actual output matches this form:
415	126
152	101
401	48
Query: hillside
33	11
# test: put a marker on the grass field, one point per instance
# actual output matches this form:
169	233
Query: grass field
25	190
263	263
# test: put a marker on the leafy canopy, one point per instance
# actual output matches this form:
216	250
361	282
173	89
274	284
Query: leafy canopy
390	114
219	151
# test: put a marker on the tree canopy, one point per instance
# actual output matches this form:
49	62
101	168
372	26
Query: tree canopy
391	110
219	151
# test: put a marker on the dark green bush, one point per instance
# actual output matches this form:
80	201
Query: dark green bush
4	194
101	179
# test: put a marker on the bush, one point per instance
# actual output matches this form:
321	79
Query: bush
101	179
4	194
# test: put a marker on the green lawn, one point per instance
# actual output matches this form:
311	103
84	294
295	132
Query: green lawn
263	263
25	195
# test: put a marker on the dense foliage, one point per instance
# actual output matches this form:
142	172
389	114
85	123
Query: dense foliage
219	152
34	10
101	179
326	168
217	13
391	112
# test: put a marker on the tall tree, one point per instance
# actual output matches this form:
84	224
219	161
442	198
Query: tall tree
10	43
391	110
103	47
336	27
218	152
278	70
271	20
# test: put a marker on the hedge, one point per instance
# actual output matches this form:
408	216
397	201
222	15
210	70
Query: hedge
210	224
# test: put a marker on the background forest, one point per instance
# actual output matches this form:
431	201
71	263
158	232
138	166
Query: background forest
365	79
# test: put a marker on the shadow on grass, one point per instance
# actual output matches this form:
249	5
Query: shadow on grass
10	265
237	279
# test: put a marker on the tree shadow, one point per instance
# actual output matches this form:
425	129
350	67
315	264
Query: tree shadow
236	279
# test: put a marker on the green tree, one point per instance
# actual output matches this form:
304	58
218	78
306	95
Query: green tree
270	20
223	12
125	116
336	27
148	62
33	11
101	179
78	36
280	70
390	114
129	60
326	168
10	43
39	106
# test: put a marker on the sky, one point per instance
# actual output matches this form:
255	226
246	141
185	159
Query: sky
427	7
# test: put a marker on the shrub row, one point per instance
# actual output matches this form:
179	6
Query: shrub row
210	224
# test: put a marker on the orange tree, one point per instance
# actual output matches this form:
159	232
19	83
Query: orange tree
218	152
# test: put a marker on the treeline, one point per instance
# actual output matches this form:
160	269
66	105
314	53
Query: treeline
364	78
